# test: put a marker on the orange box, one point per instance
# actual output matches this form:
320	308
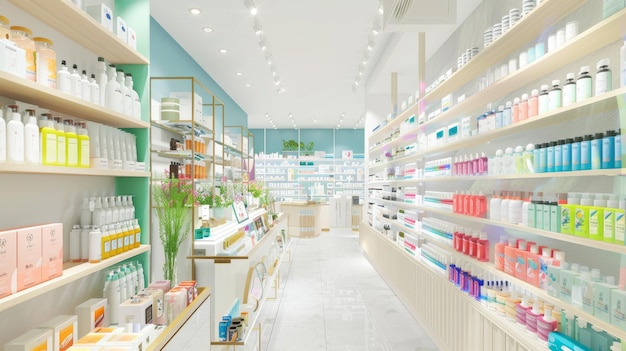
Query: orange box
28	257
8	263
52	251
192	289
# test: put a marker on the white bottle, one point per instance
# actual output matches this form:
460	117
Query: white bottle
130	284
114	98
94	90
95	245
127	100
525	205
31	139
121	209
98	216
108	214
15	136
622	68
495	205
3	137
497	162
604	78
123	289
75	243
85	87
75	82
64	82
115	211
132	206
85	212
110	145
84	243
504	208
134	278
515	209
140	278
508	163
135	97
102	79
112	293
102	137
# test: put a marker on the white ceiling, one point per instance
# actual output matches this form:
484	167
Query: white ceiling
316	47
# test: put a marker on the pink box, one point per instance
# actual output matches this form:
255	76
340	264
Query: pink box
8	263
52	251
28	257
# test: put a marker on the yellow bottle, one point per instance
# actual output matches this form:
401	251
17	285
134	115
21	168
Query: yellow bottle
126	235
48	140
61	142
113	239
137	233
106	242
83	145
131	234
120	238
71	143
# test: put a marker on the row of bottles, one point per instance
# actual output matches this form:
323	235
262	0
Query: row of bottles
122	283
49	140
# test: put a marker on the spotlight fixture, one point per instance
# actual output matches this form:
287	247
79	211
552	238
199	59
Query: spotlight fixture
251	7
370	45
258	29
376	26
248	84
194	11
263	45
207	29
366	58
239	74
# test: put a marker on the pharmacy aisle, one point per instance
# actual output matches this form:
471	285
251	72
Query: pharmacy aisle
332	299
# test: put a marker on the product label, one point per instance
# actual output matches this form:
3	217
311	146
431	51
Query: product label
594	221
50	147
620	226
569	94
84	153
98	317
113	246
120	243
66	337
41	347
566	220
608	226
107	246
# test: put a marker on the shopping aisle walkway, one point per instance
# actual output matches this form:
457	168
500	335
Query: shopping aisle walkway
332	299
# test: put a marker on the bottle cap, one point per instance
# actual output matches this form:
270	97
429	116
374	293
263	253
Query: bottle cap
508	104
571	76
595	273
535	92
524	97
508	151
100	59
75	66
534	249
556	82
584	69
516	101
519	148
544	87
603	62
546	252
559	255
610	279
530	147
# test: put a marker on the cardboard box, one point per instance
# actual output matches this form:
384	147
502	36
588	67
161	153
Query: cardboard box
137	310
36	339
12	59
64	330
121	30
52	251
8	263
102	14
91	315
132	38
28	257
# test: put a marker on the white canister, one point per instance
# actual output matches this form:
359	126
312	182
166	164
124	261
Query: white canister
552	43
560	37
571	30
512	65
523	59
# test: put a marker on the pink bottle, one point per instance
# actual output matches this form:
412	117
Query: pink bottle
510	254
523	108
521	309
532	316
515	111
533	265
499	253
483	248
533	104
546	324
520	260
473	245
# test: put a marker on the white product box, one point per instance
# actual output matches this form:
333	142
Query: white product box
403	105
121	30
28	257
64	330
175	303
185	105
446	102
91	315
421	118
453	132
102	14
36	339
132	38
52	251
441	136
431	140
137	310
467	125
114	341
158	304
8	263
12	59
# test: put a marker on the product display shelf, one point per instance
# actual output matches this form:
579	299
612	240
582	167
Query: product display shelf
38	169
183	155
600	35
592	173
77	25
606	102
396	161
396	121
408	137
601	245
172	329
28	91
378	183
184	128
71	272
525	30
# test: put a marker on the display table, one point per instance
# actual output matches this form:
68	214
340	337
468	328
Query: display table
305	218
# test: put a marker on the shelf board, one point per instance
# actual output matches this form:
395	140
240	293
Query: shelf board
39	169
77	25
182	155
525	30
591	173
621	249
407	138
596	37
401	160
184	128
71	272
385	129
170	331
394	181
22	89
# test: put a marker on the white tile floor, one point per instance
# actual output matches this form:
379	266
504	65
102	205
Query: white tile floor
332	299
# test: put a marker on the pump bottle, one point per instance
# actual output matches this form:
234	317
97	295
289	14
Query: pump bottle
102	79
136	102
48	141
85	88
31	139
83	145
64	82
75	82
71	144
94	90
15	136
127	103
114	98
112	293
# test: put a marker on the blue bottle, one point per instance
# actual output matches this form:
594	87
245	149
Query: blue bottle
558	156
618	149
536	158
543	158
550	156
596	151
608	150
576	166
566	155
585	152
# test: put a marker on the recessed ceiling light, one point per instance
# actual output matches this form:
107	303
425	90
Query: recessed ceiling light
194	11
207	29
248	84
263	45
254	11
239	74
223	51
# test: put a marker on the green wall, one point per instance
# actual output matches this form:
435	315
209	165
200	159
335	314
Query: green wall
169	59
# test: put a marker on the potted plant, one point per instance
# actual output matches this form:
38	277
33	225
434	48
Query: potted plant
173	200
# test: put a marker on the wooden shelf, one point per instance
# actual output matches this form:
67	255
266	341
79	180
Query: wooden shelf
170	331
71	272
14	168
525	30
77	25
401	160
55	100
596	37
387	128
410	137
592	173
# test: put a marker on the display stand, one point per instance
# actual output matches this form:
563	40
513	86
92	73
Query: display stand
304	218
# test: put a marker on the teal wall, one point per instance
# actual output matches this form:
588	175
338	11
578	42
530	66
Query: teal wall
332	141
169	59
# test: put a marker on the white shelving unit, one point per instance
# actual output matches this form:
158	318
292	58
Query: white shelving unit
453	319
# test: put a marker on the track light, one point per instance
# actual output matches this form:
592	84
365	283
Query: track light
249	4
258	29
